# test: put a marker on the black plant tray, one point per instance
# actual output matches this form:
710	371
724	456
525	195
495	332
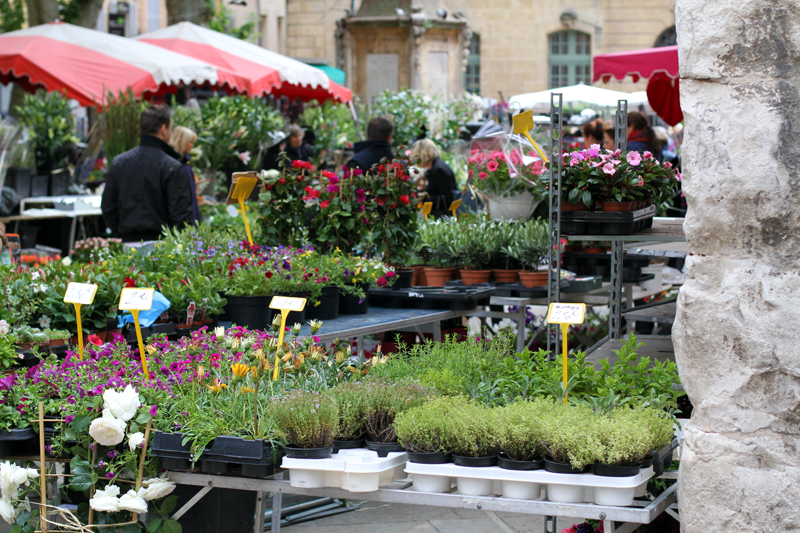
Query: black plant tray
585	264
224	455
584	284
510	290
605	222
445	298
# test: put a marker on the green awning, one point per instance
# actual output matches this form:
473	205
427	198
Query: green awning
333	73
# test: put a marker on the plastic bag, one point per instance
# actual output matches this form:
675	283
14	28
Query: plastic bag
147	318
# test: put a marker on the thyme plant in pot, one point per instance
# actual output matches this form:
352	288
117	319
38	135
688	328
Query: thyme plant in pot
384	402
474	434
627	438
519	435
308	421
425	432
350	399
568	441
530	248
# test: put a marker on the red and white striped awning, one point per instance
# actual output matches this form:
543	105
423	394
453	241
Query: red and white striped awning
87	63
265	72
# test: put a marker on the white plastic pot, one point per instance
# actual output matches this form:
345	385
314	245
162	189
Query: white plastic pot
655	283
588	494
426	483
565	493
470	486
308	479
521	490
512	208
614	496
497	487
360	482
641	490
356	470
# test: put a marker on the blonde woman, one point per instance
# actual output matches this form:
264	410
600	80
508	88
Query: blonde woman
182	142
441	180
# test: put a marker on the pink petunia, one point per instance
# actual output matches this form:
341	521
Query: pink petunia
574	162
482	175
667	164
491	166
648	155
634	159
609	169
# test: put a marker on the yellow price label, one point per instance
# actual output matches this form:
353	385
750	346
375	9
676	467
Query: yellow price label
80	293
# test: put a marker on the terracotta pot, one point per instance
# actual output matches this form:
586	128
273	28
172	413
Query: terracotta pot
418	278
573	248
616	206
25	347
506	276
57	342
594	250
579	206
435	277
533	279
473	277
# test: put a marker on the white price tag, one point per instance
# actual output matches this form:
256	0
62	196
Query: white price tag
80	293
136	298
566	313
285	302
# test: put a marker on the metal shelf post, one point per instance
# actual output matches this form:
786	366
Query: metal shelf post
554	215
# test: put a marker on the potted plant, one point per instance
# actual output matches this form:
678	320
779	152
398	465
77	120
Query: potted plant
436	237
569	443
520	434
504	266
309	421
425	433
384	401
49	121
351	401
530	247
474	435
479	249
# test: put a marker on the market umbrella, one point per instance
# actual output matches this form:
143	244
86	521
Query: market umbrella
86	63
265	72
586	94
659	65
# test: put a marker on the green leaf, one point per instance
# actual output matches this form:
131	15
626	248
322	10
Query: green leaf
169	504
153	525
82	478
81	423
172	526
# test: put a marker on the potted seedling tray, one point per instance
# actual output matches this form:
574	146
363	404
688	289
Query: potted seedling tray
527	484
444	298
606	222
586	264
511	290
355	470
224	455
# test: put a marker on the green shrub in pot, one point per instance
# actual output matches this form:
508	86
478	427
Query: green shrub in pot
519	429
352	404
474	430
569	436
307	419
428	427
385	401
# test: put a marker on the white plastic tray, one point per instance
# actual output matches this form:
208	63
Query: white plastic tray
356	470
518	484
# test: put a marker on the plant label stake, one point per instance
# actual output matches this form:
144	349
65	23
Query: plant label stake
135	299
80	294
190	314
285	304
454	207
426	209
565	314
523	123
241	187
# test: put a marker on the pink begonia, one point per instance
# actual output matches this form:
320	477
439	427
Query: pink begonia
593	151
640	183
577	155
595	147
574	162
609	169
667	164
678	176
616	152
648	155
482	175
634	159
491	166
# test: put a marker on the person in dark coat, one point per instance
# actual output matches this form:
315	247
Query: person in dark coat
296	147
377	146
641	137
146	187
442	185
182	141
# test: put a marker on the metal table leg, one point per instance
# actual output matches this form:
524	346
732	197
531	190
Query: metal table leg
72	228
437	331
261	511
521	328
550	524
277	501
615	298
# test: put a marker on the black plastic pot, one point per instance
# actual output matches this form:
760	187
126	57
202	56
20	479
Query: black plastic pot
59	182
328	308
430	458
172	463
23	441
348	444
616	470
214	467
252	312
403	280
511	464
295	317
562	468
647	461
474	461
349	304
385	448
309	453
40	186
27	359
258	471
19	179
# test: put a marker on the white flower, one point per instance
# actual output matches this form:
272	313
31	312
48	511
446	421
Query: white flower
7	511
106	500
34	275
108	430
122	405
244	156
4	327
133	502
135	440
33	473
20	476
44	322
218	331
66	262
157	487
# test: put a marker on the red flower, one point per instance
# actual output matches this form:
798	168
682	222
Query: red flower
405	199
269	274
325	203
381	168
94	339
381	281
328	174
297	164
381	201
129	282
393	206
282	181
390	274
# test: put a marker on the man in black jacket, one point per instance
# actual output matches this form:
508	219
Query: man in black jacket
146	187
376	147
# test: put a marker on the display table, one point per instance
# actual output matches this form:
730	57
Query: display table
643	512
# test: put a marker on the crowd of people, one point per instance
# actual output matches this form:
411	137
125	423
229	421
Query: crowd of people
641	137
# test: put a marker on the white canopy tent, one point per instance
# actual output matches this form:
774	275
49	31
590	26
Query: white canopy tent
585	94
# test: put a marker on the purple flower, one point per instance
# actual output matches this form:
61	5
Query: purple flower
71	399
7	382
112	454
110	475
286	265
100	464
153	410
69	418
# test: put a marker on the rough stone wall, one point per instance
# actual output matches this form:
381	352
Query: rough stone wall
738	324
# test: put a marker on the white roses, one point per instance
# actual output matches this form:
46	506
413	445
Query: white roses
135	440
133	502
107	430
11	477
106	500
123	405
136	502
157	487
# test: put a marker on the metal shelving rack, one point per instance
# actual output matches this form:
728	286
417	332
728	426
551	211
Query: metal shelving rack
554	218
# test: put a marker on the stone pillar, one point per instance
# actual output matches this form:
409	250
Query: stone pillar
417	37
737	332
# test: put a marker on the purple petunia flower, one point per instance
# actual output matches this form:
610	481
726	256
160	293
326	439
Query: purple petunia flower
153	410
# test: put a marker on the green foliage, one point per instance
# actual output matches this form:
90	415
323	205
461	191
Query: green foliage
307	419
120	119
282	211
568	435
429	427
12	15
628	435
384	401
530	243
333	126
351	400
473	429
47	116
8	352
519	429
222	21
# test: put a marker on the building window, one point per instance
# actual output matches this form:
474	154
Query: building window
570	58
472	76
153	15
